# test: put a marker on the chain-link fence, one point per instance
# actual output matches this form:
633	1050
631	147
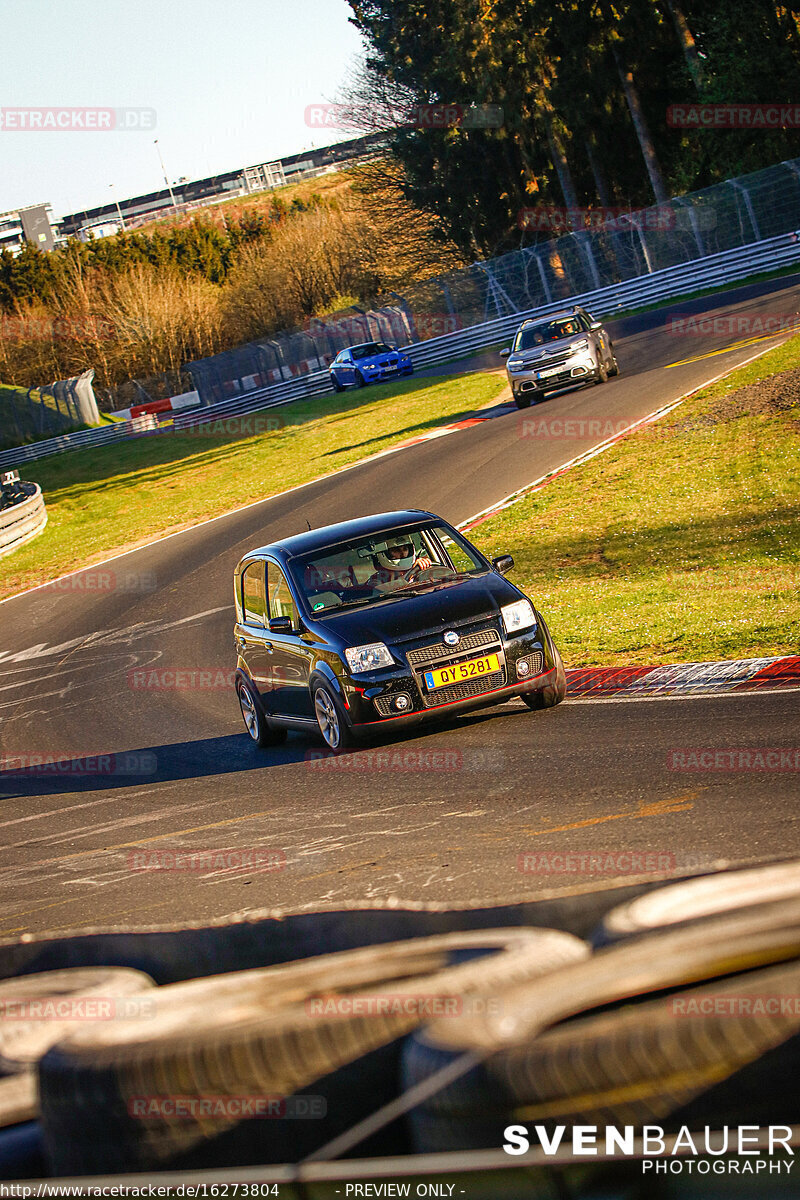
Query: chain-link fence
29	414
288	356
602	247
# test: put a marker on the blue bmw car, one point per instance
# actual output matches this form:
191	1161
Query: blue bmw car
368	363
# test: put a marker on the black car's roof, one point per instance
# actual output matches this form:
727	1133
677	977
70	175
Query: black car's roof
330	535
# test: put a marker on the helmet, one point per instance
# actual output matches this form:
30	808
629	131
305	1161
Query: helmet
403	561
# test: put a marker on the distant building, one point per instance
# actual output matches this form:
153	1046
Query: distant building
100	230
241	182
33	224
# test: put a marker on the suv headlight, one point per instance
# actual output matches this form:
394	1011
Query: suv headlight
514	364
368	658
580	347
518	616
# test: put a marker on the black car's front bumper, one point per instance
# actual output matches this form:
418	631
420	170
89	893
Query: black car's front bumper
371	703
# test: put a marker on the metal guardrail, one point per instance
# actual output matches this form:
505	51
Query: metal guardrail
729	266
715	269
22	521
19	455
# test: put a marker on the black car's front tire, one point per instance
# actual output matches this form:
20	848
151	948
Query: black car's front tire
553	693
254	720
333	728
360	380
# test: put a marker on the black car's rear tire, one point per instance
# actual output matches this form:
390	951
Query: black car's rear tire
256	724
333	728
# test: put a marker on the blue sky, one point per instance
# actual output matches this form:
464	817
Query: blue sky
229	81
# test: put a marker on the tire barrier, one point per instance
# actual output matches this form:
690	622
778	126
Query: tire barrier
509	1080
117	1097
38	1010
699	898
269	937
22	521
707	1056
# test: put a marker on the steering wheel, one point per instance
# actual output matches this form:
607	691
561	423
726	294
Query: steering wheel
415	572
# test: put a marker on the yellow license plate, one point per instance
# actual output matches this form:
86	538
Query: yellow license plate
471	669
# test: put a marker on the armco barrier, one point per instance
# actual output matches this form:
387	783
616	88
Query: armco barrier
77	441
709	272
714	270
22	521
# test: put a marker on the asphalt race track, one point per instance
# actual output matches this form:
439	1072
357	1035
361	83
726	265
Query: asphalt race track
470	810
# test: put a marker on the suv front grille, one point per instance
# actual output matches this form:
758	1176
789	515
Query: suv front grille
470	641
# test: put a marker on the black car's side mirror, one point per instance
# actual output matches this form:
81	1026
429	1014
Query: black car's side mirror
504	353
503	564
280	624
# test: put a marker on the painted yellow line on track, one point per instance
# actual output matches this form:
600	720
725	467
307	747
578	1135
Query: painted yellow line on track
660	808
753	341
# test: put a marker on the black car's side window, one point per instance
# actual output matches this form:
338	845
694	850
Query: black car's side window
281	603
254	601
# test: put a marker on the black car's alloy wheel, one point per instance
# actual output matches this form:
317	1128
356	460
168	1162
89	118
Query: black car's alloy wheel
254	720
360	380
335	732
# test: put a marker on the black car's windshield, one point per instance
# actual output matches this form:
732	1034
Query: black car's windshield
394	564
548	331
371	348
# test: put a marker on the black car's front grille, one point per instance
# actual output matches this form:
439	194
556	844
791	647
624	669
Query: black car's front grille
469	641
463	691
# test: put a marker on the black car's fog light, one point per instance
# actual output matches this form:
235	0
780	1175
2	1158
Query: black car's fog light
530	665
402	701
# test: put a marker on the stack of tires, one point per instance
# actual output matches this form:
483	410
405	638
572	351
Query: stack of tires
682	1009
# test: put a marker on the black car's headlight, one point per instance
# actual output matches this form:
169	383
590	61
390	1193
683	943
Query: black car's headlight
369	657
518	616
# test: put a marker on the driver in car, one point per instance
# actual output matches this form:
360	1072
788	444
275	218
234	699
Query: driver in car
397	564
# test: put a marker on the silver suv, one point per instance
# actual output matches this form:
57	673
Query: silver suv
557	351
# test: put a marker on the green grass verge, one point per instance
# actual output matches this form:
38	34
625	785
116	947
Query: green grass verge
680	543
100	501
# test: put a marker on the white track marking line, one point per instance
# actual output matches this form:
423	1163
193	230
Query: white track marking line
520	493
